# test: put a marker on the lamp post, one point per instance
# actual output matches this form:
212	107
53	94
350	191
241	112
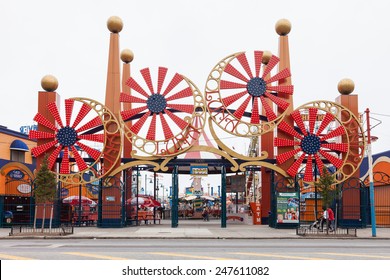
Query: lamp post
370	175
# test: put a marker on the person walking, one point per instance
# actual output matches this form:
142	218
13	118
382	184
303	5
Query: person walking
331	219
324	218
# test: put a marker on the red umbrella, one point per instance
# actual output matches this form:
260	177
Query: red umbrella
144	201
75	200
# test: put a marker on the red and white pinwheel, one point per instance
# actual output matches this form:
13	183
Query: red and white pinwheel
317	139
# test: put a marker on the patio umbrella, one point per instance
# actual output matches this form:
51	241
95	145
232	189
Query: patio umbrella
75	200
144	201
208	197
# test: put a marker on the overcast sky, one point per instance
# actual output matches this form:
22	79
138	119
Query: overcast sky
329	41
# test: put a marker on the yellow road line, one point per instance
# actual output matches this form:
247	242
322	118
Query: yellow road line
188	256
96	256
277	256
356	255
12	257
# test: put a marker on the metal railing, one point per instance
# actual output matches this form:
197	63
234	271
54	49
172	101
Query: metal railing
28	230
307	230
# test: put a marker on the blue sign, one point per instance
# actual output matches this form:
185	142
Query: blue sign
27	128
16	174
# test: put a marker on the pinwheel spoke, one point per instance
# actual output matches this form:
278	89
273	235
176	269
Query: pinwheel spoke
134	85
127	98
255	117
268	110
151	135
288	89
69	103
34	134
132	112
230	85
187	92
337	132
312	119
84	110
138	124
91	124
166	129
288	129
281	103
162	72
79	160
52	158
64	169
270	65
38	150
281	142
95	154
309	169
281	158
182	124
241	110
39	118
296	115
341	147
92	137
332	159
235	73
182	108
227	101
54	112
293	170
173	83
325	122
258	61
148	79
285	73
244	63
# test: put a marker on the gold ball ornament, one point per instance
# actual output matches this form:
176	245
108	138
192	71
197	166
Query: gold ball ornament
346	86
49	83
283	27
266	57
115	24
127	56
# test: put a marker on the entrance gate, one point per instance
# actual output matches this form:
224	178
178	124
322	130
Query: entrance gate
353	205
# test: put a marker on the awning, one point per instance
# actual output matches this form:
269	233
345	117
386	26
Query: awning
19	145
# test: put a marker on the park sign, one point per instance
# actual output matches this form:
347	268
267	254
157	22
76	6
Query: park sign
199	170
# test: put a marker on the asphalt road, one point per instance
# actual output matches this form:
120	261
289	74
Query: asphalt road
182	249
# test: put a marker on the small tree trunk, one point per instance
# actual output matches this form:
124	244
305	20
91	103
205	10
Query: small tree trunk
44	216
51	217
35	217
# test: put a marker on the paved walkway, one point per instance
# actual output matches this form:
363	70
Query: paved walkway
195	229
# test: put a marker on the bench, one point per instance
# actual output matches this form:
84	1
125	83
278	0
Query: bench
144	217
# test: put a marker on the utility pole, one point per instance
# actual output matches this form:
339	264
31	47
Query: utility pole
370	175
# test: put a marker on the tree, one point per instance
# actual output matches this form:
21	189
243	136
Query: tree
45	190
325	186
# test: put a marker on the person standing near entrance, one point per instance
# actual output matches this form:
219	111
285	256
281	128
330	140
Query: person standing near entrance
331	219
324	218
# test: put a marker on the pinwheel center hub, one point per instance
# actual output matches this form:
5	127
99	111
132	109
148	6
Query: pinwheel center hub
156	103
256	86
67	136
311	144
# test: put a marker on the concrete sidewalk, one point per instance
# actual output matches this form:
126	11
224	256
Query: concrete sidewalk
194	229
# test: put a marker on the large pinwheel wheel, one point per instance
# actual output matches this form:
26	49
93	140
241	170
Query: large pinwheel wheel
72	140
163	118
245	93
317	139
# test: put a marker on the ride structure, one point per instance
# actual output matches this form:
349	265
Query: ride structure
151	118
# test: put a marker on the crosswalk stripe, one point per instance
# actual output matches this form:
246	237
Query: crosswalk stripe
354	255
95	256
12	257
188	256
277	256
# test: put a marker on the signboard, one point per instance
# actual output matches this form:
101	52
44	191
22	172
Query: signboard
27	128
16	174
199	170
235	183
256	212
24	188
287	207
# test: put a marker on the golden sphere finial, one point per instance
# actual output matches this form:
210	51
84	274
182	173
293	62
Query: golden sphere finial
346	86
115	24
49	83
283	27
266	57
127	56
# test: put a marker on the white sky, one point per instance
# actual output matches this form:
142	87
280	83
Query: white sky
329	41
